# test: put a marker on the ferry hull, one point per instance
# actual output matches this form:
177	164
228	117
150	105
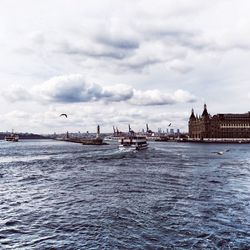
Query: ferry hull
133	142
134	147
12	138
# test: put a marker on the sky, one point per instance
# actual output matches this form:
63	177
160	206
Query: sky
114	63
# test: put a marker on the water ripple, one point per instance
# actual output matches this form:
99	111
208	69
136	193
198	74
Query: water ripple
57	195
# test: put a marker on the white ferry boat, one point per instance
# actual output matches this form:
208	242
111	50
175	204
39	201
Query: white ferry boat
136	142
12	137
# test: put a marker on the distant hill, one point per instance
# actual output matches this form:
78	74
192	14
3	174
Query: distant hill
24	136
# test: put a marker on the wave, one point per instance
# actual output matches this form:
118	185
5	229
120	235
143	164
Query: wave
10	159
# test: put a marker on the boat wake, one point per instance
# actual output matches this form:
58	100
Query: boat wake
128	150
116	154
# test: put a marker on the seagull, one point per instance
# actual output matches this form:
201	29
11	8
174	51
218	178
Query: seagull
221	152
169	124
64	115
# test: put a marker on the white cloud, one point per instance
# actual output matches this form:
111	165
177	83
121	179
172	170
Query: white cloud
118	92
152	97
156	97
18	115
180	66
67	89
74	88
183	96
16	93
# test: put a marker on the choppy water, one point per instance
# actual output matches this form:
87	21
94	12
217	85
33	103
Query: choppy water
57	195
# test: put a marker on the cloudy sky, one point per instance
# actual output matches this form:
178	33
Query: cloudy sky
114	62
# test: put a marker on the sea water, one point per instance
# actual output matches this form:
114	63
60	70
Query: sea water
59	195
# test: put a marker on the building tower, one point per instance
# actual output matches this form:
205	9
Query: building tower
205	125
199	126
192	124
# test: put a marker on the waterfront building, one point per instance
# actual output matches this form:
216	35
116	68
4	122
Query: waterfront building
219	125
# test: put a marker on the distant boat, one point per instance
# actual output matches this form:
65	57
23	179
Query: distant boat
114	138
133	141
162	138
12	137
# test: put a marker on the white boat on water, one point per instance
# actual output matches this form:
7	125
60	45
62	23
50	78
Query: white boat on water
136	142
12	137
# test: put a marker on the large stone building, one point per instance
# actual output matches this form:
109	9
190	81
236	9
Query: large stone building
219	126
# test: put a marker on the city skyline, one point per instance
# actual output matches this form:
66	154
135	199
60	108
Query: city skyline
121	62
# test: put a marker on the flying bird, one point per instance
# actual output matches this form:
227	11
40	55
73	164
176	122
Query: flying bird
169	124
64	115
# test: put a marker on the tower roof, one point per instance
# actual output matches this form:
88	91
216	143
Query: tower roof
192	115
205	113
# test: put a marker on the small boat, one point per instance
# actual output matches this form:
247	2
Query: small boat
12	137
133	141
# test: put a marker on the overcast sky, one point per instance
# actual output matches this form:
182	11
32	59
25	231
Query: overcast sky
114	62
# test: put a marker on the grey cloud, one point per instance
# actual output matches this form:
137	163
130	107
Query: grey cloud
197	40
134	51
140	64
174	34
118	55
74	88
91	51
125	44
191	40
129	52
115	40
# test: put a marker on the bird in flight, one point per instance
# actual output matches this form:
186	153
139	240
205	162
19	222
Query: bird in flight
64	115
169	124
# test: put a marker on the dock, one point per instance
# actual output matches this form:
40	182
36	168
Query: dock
84	140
